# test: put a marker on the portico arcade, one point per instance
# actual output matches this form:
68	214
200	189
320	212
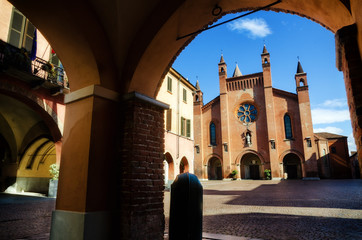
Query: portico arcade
112	54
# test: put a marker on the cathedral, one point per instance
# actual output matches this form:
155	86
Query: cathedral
252	130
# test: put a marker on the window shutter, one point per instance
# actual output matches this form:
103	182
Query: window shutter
182	126
188	128
184	95
16	29
168	119
169	84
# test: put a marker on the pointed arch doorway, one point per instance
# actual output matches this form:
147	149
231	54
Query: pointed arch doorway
214	167
292	166
250	167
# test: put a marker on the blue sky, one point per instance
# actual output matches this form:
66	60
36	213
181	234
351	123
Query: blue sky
286	37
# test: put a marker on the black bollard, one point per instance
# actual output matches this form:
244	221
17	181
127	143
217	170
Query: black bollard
186	208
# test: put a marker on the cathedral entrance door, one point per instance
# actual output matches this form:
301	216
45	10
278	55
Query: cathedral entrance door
254	172
214	169
292	166
250	166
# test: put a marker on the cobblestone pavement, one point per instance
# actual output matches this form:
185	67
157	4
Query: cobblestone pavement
25	217
290	210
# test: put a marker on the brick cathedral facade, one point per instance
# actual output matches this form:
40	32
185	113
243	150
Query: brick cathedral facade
252	127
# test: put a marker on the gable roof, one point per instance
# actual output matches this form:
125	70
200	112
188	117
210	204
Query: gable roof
327	135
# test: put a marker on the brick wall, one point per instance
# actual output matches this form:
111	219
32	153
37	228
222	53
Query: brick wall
141	169
349	61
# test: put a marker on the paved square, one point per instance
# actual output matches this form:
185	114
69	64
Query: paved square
295	209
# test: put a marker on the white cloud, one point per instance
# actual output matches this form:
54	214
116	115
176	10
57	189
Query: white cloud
256	28
335	103
320	116
334	130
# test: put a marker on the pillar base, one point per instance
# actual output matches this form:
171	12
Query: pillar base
69	225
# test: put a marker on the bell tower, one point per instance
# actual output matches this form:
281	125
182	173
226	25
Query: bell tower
198	131
222	75
269	110
310	169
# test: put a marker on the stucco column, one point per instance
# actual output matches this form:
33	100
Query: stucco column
349	61
85	187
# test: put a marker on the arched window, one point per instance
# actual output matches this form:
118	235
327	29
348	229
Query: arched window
301	82
212	134
288	127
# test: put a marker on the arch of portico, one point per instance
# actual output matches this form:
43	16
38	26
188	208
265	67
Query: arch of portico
111	49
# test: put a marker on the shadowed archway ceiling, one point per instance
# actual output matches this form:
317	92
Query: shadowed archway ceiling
128	45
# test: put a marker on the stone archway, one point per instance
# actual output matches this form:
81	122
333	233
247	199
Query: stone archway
184	165
214	169
102	61
250	167
169	168
292	166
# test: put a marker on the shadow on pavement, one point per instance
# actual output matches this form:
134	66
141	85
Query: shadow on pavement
298	193
283	227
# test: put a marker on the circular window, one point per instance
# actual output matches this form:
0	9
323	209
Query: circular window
246	113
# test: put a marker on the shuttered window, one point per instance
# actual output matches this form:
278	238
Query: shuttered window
169	119
21	31
169	84
188	128
182	126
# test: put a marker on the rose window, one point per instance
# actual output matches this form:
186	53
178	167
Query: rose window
246	113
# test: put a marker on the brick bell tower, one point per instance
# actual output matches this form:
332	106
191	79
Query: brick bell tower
198	132
270	117
224	117
310	167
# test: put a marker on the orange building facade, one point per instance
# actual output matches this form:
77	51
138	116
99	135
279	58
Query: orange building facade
252	127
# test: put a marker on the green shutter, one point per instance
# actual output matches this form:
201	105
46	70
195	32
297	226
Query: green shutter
184	95
188	128
168	119
182	126
169	84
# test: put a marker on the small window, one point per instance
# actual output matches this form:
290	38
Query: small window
272	144
288	127
184	95
169	84
168	119
212	134
333	150
309	142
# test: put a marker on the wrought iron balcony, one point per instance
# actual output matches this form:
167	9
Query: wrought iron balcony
15	62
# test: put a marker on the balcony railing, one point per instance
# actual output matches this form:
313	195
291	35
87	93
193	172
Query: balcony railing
39	72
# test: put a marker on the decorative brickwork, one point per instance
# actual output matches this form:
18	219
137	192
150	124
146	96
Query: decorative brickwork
142	171
349	61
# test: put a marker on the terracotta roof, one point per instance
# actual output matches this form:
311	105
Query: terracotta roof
327	135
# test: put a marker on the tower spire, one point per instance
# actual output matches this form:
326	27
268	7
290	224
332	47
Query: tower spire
222	59
197	85
237	72
264	50
299	67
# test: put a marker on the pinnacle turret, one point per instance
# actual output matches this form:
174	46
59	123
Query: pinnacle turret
237	72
